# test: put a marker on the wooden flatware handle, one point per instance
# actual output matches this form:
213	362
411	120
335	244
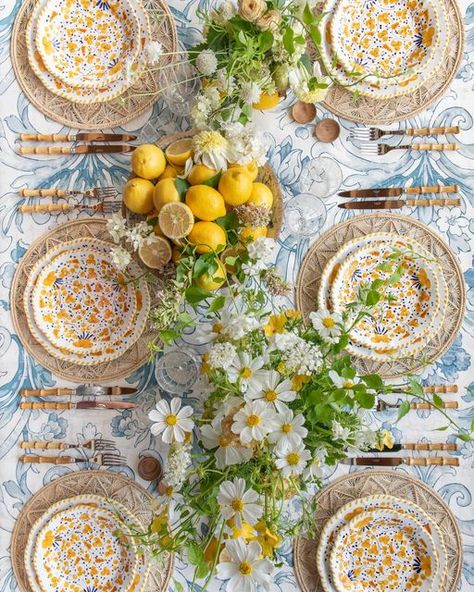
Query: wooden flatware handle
435	147
42	445
441	388
46	138
429	446
45	208
45	150
446	405
54	392
433	202
43	193
428	131
435	460
432	189
45	405
55	460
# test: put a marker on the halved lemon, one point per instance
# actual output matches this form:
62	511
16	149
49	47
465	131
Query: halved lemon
155	254
178	152
176	220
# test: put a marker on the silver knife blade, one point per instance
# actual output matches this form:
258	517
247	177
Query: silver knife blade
104	405
375	192
90	390
388	461
374	204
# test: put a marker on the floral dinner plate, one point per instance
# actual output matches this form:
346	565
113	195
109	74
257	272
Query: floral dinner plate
91	501
383	550
407	311
357	507
79	549
87	43
387	39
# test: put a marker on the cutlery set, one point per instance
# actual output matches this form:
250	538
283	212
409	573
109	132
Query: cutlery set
89	148
104	195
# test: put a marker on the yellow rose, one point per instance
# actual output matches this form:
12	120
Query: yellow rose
270	21
252	10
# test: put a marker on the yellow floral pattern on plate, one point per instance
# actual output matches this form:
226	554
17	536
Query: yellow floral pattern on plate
78	551
389	39
82	303
383	550
414	299
87	43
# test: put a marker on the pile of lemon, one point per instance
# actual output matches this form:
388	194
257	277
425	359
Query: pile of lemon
190	216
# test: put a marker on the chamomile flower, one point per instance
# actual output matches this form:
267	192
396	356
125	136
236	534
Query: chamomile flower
327	324
171	420
244	570
289	430
169	494
339	432
292	459
315	470
272	390
253	422
341	382
120	257
247	371
227	452
238	503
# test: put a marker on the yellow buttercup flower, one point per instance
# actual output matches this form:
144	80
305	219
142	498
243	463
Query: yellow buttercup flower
276	324
159	521
246	531
384	439
268	540
292	314
299	380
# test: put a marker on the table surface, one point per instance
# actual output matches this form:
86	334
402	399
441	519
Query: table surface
302	165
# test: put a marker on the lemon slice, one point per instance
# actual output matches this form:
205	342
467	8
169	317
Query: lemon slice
178	152
155	254
176	220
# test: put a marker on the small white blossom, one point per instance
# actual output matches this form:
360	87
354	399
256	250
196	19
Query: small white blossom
237	502
284	341
315	469
303	358
227	10
179	460
221	355
261	249
225	83
154	52
120	257
247	371
117	227
206	62
236	326
289	429
250	92
339	432
327	324
171	420
292	459
247	144
253	422
136	234
341	382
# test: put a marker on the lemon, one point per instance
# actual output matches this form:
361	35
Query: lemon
138	195
261	195
251	169
214	281
248	235
165	192
148	161
176	220
200	173
169	172
205	202
267	101
235	187
155	254
207	236
178	152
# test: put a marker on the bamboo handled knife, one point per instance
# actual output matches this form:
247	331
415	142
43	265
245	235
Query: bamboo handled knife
79	149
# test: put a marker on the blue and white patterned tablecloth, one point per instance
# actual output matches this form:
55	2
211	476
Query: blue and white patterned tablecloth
293	148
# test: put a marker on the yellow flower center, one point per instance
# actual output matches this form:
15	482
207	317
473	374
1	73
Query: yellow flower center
253	420
224	441
271	395
237	505
169	490
348	384
286	428
217	327
171	420
246	372
293	458
245	568
329	322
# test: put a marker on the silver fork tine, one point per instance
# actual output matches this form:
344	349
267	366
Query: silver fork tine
104	192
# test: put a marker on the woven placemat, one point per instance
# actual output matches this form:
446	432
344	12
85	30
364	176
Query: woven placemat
330	242
341	102
117	112
110	485
371	482
131	360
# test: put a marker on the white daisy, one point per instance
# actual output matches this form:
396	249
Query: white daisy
292	459
238	503
171	420
289	430
341	382
315	469
227	453
272	391
247	371
327	324
244	570
339	432
169	494
253	421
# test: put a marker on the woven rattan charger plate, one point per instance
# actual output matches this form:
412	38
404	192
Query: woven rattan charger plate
330	242
112	486
371	482
131	360
128	106
341	102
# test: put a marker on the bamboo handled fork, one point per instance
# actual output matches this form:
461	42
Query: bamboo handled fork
101	208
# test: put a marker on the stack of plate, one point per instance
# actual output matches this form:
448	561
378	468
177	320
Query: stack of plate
88	52
80	308
383	49
381	543
403	324
83	544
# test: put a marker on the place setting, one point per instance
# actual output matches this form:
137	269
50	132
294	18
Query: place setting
237	315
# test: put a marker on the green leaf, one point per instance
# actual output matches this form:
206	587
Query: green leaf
202	570
416	388
438	401
307	15
266	40
315	34
376	284
185	318
373	381
342	343
205	264
195	553
366	400
472	425
348	372
441	429
385	267
178	586
217	303
229	221
403	410
288	41
153	221
181	187
167	336
465	437
372	298
195	294
213	181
